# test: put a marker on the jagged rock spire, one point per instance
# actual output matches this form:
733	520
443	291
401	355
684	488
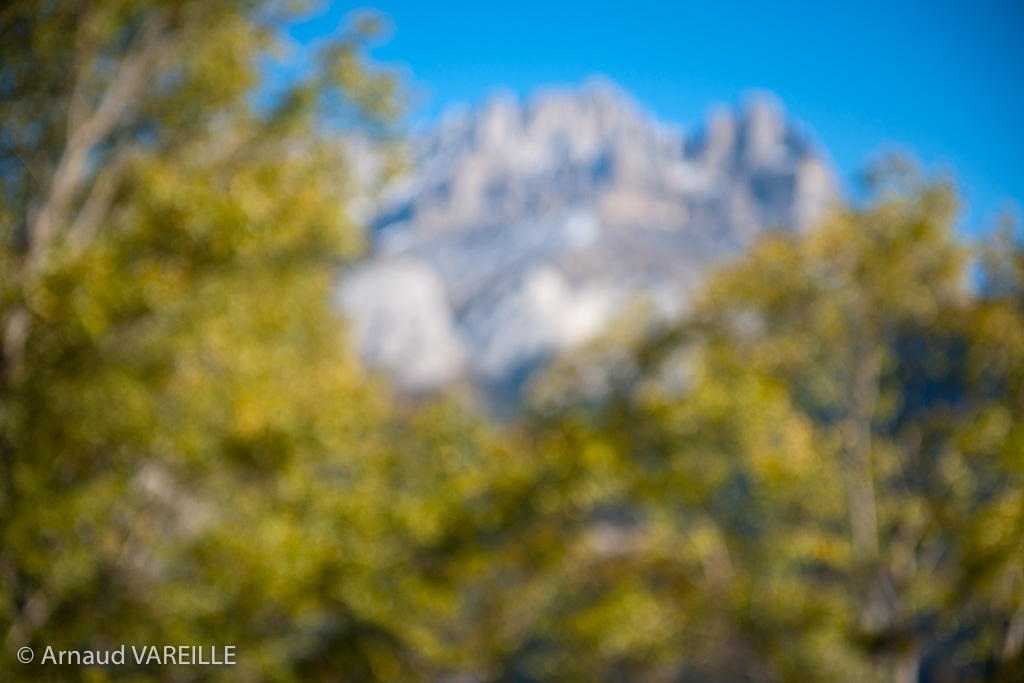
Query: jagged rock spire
525	225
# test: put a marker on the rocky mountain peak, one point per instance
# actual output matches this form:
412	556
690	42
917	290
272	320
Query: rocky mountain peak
524	226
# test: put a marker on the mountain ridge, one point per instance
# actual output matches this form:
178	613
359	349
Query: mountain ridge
525	225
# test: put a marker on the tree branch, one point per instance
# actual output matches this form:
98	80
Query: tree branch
97	204
856	428
15	334
83	137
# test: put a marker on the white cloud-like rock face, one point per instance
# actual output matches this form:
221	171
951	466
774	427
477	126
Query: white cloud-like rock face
402	322
525	226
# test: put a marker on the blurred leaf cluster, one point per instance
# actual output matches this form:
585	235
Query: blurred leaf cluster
817	475
831	446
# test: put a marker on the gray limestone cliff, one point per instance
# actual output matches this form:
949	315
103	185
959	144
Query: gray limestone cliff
524	227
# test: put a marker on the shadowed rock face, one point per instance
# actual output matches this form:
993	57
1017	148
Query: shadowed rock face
525	226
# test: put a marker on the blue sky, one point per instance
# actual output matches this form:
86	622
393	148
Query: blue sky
943	80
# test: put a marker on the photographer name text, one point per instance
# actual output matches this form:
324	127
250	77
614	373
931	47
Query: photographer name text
191	655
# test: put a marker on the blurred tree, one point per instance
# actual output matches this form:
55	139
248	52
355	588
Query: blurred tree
189	452
816	476
821	468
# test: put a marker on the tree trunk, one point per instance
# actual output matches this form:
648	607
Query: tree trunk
856	429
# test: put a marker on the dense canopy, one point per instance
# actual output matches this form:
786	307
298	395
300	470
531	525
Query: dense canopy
815	475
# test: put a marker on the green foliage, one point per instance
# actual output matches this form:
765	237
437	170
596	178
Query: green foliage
817	475
829	449
183	430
